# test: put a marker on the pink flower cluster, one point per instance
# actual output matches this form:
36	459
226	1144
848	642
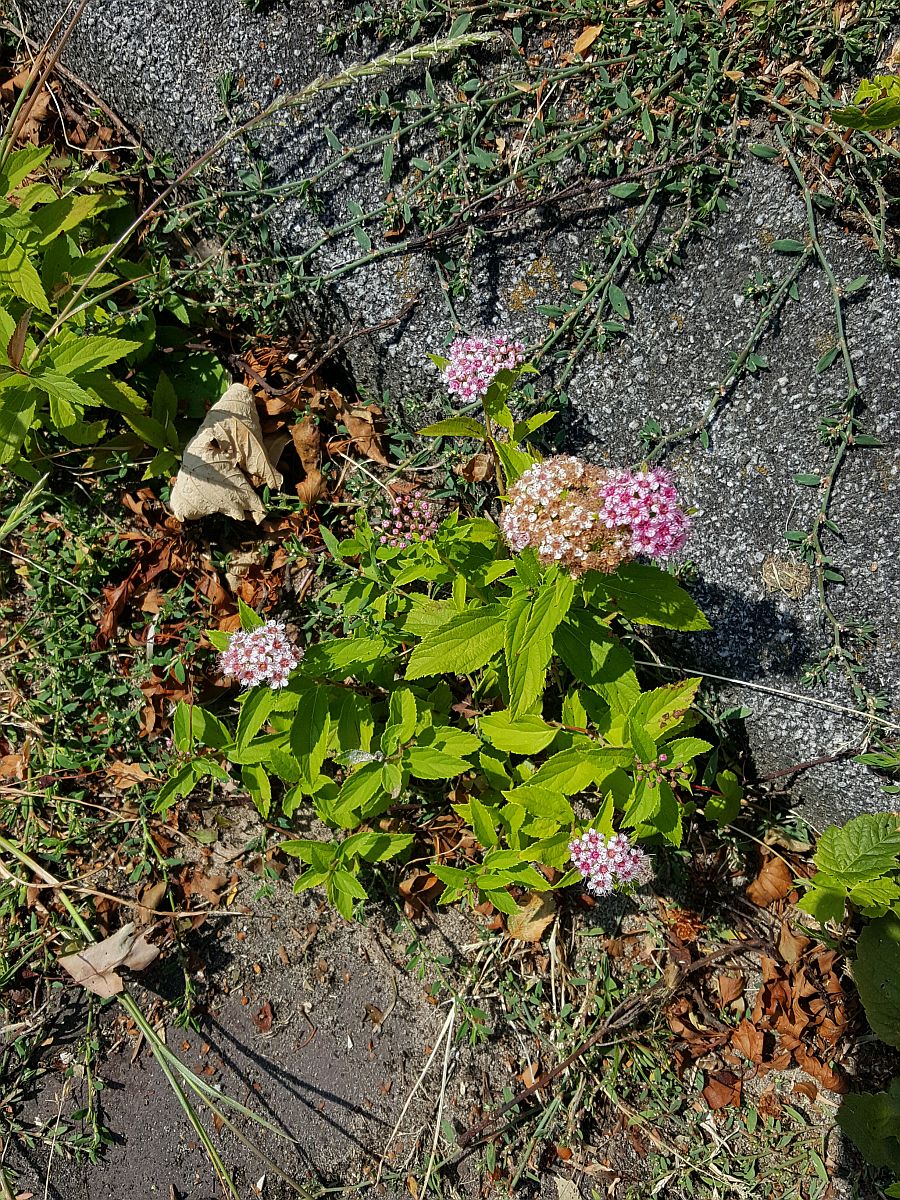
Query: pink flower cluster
609	863
261	655
647	503
412	519
553	507
475	361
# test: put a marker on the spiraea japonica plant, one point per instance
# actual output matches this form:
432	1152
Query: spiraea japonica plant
480	667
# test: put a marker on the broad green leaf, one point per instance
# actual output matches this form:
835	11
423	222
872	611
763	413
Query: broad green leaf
18	400
527	734
483	823
873	897
872	1121
463	644
426	762
401	723
823	903
573	770
181	784
256	781
19	165
249	619
374	846
595	656
88	353
649	596
877	975
310	730
121	398
450	739
319	855
684	750
19	276
356	791
864	848
542	802
664	707
725	808
193	725
256	708
54	219
454	427
513	461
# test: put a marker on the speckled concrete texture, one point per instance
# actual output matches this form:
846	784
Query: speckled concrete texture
159	66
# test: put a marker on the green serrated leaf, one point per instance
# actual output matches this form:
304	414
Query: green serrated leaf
865	848
463	644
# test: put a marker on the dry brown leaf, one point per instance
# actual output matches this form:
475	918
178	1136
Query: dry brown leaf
530	1075
566	1189
360	423
731	988
586	38
12	766
769	1105
124	775
722	1088
790	946
223	462
478	469
96	967
748	1040
807	1089
16	347
263	1019
532	919
773	882
149	901
830	1079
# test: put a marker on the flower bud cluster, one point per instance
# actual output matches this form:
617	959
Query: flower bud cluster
475	361
261	655
554	507
647	504
609	863
657	770
411	519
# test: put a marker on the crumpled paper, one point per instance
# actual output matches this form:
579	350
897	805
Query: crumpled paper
224	461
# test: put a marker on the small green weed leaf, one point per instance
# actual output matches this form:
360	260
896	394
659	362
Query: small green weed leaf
619	302
761	150
788	246
877	975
